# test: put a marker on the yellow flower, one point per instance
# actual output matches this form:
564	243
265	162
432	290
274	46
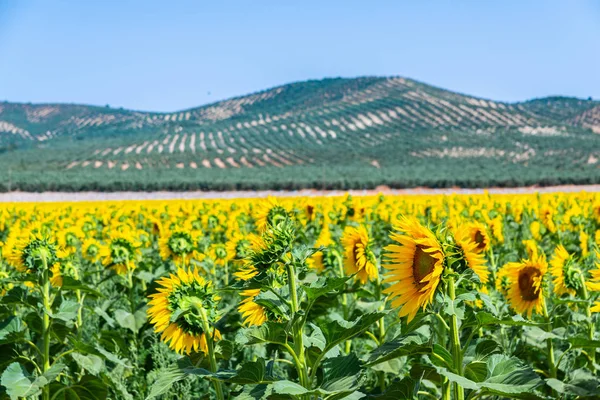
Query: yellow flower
416	264
471	254
496	226
176	244
121	251
90	250
478	234
269	212
190	298
253	313
557	269
583	242
531	247
316	260
358	256
525	291
534	228
593	284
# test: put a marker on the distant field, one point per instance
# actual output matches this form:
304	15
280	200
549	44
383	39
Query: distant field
329	134
101	196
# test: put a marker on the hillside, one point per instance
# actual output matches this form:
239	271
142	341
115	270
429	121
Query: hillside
332	133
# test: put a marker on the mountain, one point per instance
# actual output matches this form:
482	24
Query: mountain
333	133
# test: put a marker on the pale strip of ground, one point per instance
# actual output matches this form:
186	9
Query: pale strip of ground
100	196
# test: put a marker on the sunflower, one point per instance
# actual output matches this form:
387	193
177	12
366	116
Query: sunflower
177	244
269	212
593	284
583	242
479	234
531	247
56	279
469	250
534	228
547	218
525	279
121	251
257	246
416	264
237	248
29	251
497	229
253	313
90	249
317	260
358	256
179	308
558	269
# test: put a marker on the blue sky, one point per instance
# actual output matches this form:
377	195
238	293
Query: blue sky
166	56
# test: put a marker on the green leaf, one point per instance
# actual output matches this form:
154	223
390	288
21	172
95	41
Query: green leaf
341	374
289	387
406	389
485	318
87	388
339	330
18	382
67	311
269	332
166	379
315	339
476	371
72	284
250	372
461	380
581	342
133	322
442	357
273	303
101	313
12	330
90	362
508	376
404	345
323	286
586	386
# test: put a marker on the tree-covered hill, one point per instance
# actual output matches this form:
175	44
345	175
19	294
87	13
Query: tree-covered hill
331	133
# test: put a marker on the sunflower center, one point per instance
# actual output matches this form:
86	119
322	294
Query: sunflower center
480	240
423	265
527	288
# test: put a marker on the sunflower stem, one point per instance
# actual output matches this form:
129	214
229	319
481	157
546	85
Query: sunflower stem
459	393
549	344
588	314
211	352
45	321
297	327
340	263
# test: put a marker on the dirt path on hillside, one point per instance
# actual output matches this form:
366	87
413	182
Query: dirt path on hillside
97	196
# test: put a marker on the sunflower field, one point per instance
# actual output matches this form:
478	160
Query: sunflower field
377	297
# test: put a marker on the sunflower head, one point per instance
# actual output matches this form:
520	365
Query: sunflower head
525	284
238	247
31	252
359	259
268	251
120	252
469	253
90	250
177	244
565	277
252	312
583	243
180	308
478	234
415	262
270	214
